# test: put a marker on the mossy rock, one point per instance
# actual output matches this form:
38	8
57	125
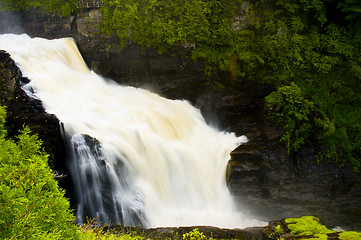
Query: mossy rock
306	225
350	235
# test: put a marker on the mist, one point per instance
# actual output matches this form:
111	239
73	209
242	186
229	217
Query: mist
10	22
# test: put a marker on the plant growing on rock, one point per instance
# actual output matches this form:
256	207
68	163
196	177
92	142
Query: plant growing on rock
299	47
31	204
195	234
349	235
309	227
293	113
203	26
306	225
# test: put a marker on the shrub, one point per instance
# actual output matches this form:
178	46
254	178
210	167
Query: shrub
194	235
31	204
290	109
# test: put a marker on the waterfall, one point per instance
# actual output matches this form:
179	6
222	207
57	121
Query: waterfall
135	157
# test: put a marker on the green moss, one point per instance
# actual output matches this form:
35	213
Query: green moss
319	237
307	225
350	235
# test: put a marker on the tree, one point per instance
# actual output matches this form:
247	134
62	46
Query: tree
31	204
62	7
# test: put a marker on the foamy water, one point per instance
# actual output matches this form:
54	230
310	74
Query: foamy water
157	162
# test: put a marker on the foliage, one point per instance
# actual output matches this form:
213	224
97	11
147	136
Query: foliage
302	43
204	25
293	113
31	204
351	9
350	235
90	232
310	228
62	7
278	230
194	235
307	48
3	131
306	225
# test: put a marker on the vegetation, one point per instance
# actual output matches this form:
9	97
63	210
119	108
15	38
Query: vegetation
350	235
309	227
194	235
308	50
293	112
89	231
311	56
306	226
64	8
31	204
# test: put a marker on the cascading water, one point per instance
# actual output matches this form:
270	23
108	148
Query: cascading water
135	157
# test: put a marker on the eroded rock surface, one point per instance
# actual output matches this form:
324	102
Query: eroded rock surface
24	111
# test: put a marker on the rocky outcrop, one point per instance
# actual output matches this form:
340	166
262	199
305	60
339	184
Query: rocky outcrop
24	111
265	180
307	227
255	233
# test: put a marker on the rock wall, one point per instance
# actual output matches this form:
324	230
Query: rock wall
265	180
24	111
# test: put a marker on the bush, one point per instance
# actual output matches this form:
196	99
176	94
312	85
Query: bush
195	234
290	109
31	204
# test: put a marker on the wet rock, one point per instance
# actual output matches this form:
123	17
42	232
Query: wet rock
269	184
276	229
24	111
255	233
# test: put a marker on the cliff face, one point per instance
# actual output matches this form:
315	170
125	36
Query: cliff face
24	111
265	180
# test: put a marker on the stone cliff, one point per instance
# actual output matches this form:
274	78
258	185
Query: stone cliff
264	179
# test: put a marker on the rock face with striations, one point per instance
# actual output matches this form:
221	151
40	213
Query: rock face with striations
24	111
265	180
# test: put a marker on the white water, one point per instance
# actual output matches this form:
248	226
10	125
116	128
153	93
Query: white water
157	162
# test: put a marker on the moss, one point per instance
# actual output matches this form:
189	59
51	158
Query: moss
350	235
319	237
307	225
